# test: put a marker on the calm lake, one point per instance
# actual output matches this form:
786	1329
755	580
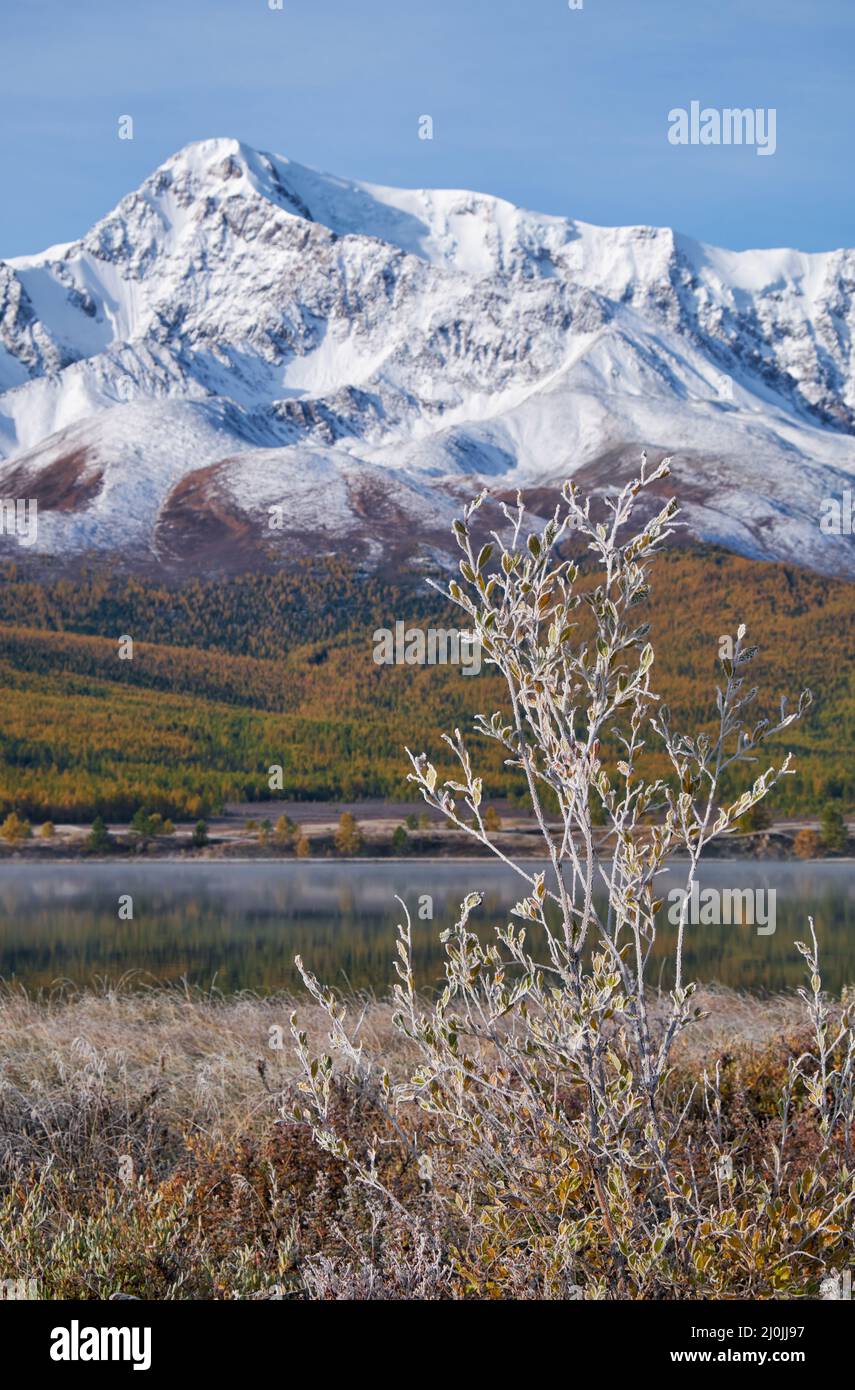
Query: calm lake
239	925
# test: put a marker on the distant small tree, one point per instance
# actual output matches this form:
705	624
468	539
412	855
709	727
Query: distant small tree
807	843
492	819
833	829
148	824
401	840
348	837
15	828
200	834
284	831
99	838
411	822
303	846
47	830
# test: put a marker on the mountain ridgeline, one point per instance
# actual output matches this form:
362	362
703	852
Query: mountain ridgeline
247	362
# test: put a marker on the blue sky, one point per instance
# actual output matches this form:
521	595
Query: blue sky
560	110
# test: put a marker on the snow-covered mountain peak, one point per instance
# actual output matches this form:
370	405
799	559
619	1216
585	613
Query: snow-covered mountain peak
243	328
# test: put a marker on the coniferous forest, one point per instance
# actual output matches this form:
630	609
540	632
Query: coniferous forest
229	677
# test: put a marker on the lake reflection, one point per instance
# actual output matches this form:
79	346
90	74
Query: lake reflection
239	925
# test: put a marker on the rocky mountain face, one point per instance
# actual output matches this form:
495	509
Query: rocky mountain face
248	357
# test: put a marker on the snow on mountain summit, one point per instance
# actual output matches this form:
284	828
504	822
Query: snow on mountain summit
243	331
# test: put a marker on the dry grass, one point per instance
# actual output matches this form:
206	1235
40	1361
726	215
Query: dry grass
225	1196
158	1065
214	1065
736	1020
213	1062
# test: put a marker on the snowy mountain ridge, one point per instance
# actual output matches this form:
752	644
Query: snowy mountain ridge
243	332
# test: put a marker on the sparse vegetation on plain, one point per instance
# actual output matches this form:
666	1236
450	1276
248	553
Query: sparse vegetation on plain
147	1147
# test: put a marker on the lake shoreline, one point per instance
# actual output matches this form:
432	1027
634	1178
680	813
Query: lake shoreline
377	841
180	857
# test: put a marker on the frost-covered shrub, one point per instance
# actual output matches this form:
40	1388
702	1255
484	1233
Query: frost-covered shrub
566	1155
